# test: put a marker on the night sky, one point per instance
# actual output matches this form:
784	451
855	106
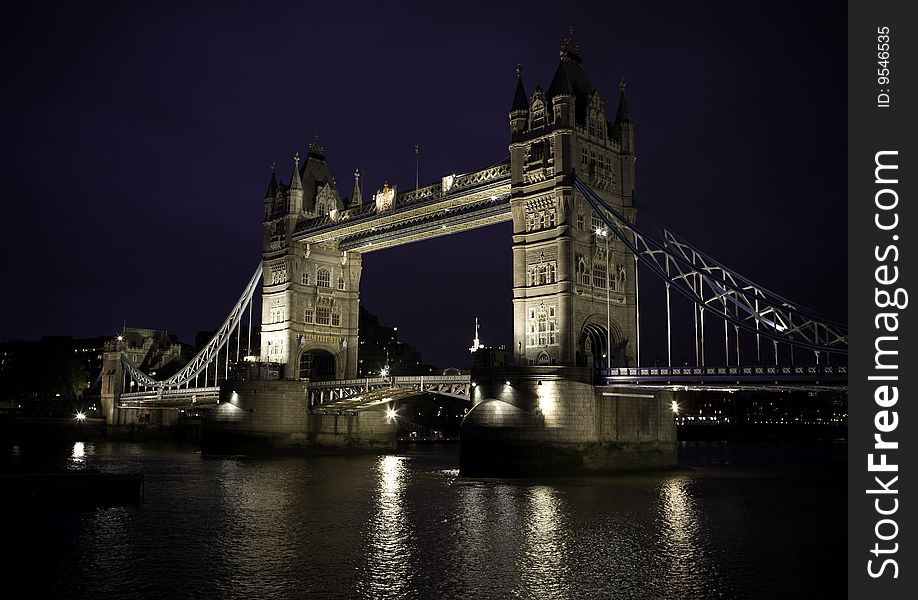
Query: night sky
138	139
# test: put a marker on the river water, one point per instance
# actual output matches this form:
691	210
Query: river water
734	521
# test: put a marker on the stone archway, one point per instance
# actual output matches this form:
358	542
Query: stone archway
592	346
317	364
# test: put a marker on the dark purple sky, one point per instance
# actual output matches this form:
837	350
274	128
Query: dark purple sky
138	139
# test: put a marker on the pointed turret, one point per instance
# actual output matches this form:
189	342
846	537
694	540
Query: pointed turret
520	101
357	198
296	188
519	112
622	116
623	127
270	194
272	185
295	182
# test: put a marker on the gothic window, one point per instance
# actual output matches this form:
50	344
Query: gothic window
323	278
584	159
279	276
340	283
531	223
580	221
305	278
336	319
542	327
538	115
542	220
307	315
596	222
599	273
551	274
322	316
551	218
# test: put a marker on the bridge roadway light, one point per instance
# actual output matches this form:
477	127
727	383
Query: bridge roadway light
81	416
675	407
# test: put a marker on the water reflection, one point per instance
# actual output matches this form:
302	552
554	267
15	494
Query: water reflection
390	570
544	558
680	535
78	455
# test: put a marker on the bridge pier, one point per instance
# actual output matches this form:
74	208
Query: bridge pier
273	416
554	420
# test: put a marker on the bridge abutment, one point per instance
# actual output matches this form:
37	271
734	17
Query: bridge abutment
554	420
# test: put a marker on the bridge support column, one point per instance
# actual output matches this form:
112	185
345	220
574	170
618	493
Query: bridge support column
112	384
554	420
273	417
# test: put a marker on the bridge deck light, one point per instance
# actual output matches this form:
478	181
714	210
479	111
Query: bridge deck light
675	407
81	416
507	382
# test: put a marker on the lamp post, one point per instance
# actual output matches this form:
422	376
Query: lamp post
603	232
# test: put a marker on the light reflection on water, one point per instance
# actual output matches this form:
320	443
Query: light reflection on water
407	526
544	561
389	566
681	537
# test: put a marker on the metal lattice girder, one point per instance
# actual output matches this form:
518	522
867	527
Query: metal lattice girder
354	394
720	290
200	361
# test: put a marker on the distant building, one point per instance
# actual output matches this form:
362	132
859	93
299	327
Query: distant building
487	356
380	351
756	409
154	351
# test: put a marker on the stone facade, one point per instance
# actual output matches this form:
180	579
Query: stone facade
310	296
560	265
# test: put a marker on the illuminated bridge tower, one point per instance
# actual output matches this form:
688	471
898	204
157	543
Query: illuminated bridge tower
561	268
310	299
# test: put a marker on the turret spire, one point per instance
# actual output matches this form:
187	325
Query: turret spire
622	116
520	102
295	182
272	185
357	199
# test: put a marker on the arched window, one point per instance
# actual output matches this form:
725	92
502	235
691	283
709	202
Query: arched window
323	278
307	315
580	221
336	319
341	283
322	316
305	278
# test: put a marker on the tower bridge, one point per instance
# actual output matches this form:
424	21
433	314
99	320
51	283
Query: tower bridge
568	186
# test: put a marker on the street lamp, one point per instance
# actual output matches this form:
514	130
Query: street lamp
603	232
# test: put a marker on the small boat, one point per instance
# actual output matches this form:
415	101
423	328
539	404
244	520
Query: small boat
71	490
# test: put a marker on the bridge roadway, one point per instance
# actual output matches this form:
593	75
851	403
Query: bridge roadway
350	395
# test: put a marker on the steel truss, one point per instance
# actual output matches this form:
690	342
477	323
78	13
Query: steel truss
719	290
209	353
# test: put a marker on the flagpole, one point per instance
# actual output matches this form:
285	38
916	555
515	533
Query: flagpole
417	163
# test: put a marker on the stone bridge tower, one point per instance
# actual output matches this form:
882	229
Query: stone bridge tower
560	264
310	298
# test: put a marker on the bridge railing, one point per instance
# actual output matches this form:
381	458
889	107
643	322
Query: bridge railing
737	372
430	193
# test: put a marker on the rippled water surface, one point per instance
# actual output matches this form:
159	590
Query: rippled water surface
733	522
